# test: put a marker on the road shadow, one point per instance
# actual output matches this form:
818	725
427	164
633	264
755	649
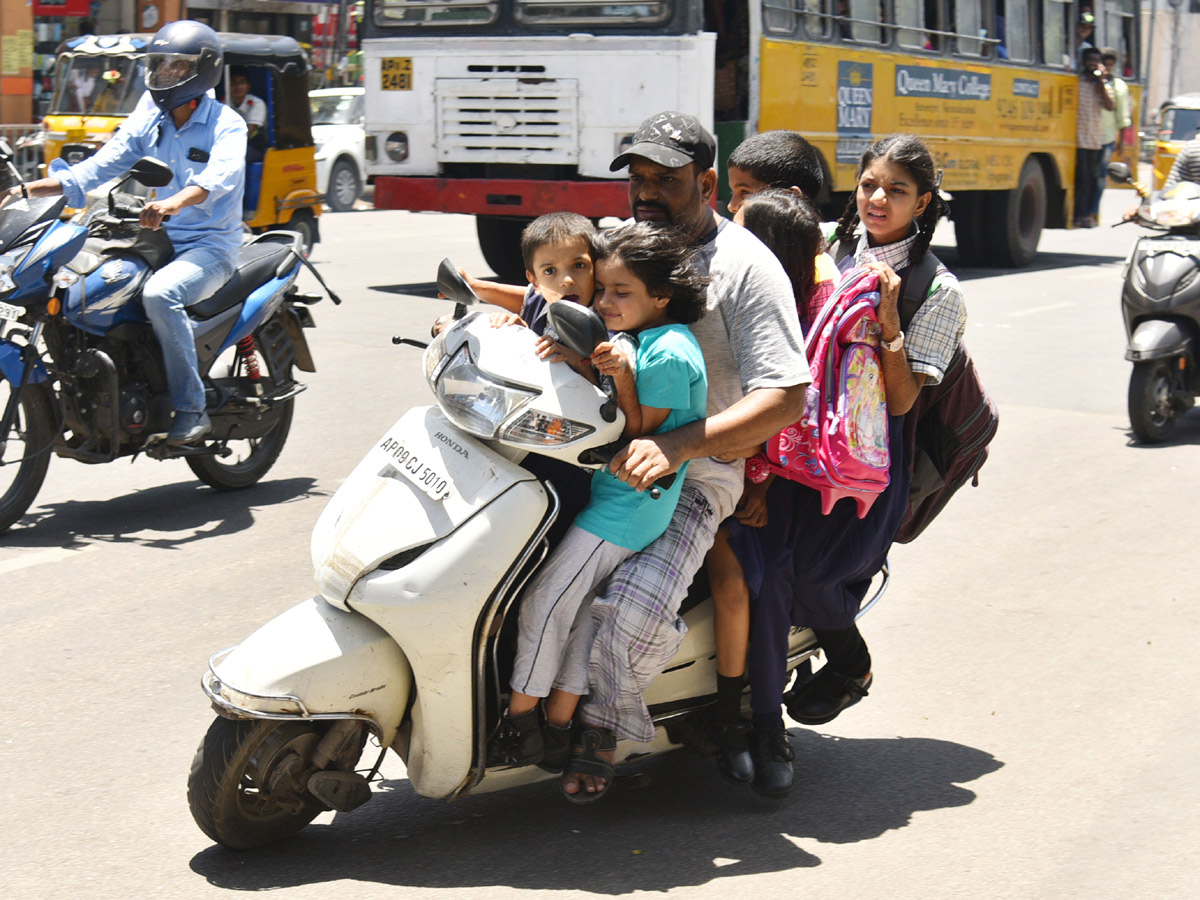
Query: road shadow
166	516
1044	262
1186	432
688	827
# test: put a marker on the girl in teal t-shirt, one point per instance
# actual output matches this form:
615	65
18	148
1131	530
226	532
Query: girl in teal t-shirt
646	286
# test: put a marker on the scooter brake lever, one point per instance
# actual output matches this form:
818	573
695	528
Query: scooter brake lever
397	339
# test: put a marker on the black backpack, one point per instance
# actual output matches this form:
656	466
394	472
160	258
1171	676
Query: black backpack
951	423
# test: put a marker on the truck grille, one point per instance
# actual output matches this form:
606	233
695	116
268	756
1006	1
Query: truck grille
508	120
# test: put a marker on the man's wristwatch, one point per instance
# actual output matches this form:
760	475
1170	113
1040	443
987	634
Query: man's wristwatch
896	343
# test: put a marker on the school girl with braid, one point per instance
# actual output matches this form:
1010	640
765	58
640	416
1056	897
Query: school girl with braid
816	569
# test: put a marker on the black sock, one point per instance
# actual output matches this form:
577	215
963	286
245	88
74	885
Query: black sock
729	698
845	650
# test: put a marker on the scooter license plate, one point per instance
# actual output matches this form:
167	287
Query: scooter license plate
424	470
10	312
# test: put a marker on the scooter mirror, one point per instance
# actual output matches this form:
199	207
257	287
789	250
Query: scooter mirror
578	326
151	172
1119	171
5	150
453	286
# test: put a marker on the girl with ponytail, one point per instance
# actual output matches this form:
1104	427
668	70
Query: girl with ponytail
816	569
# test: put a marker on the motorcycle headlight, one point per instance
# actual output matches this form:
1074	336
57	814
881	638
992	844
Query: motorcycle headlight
1174	213
473	400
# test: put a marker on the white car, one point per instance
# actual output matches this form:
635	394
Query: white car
337	127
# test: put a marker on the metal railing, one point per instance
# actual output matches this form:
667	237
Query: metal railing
26	142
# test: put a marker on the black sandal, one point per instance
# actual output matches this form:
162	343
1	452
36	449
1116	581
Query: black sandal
556	740
593	740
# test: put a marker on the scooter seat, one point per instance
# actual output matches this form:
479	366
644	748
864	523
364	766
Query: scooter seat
257	264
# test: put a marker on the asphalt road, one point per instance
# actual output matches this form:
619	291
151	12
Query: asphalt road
1032	732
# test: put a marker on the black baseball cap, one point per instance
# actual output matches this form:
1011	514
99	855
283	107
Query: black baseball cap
671	139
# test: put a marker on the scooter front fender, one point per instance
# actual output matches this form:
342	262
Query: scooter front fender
314	661
1157	339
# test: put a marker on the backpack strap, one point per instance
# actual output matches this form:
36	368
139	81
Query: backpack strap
914	286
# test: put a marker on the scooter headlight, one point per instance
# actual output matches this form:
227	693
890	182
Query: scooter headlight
1175	213
473	400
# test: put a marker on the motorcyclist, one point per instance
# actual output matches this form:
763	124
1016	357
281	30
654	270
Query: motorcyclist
204	143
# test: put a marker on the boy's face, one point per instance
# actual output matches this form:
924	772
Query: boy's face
564	271
741	185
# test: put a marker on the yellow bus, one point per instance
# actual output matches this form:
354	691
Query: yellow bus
508	109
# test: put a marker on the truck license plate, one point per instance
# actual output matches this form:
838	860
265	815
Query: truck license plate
396	73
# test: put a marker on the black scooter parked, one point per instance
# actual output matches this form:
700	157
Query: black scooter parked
1160	301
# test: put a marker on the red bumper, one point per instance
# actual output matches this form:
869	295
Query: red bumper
502	197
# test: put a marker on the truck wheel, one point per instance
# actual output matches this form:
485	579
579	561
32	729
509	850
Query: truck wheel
500	241
1020	215
1150	412
27	452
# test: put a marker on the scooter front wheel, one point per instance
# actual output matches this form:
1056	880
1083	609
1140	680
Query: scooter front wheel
1150	412
247	786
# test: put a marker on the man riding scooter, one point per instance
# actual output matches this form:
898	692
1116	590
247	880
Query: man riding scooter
204	144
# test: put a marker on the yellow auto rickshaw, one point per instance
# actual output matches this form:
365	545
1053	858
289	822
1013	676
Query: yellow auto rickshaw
101	80
1178	120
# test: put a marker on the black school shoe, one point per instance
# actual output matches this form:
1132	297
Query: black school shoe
702	733
772	755
518	741
825	695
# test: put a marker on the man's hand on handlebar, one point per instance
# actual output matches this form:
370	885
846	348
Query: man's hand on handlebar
647	459
154	212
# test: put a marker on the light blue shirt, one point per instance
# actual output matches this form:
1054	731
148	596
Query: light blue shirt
215	136
670	375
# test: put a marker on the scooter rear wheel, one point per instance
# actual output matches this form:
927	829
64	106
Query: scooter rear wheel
1150	413
247	784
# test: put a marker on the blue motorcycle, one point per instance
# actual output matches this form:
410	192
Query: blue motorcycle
81	372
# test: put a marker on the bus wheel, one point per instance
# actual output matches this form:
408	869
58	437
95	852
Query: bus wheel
1020	215
500	241
969	211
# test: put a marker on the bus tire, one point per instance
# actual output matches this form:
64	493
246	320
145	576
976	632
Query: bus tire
1018	216
500	242
968	209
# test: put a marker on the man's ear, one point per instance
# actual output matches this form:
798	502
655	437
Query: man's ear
708	185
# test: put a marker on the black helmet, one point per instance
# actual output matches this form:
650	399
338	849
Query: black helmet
182	62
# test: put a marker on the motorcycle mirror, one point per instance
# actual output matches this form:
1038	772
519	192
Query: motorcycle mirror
453	286
5	150
1119	171
578	326
151	172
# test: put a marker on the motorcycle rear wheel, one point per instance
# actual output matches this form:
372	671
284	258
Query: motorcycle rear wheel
247	783
27	454
252	458
1150	414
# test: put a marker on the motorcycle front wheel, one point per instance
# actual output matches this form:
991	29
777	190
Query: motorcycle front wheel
247	784
26	451
1151	415
251	458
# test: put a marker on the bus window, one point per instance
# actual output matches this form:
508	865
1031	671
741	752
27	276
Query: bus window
915	19
445	12
581	12
818	22
866	17
968	27
780	16
1055	18
1013	30
1118	33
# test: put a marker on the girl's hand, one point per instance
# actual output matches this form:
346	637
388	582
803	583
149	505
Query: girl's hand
500	319
609	359
752	508
888	311
552	351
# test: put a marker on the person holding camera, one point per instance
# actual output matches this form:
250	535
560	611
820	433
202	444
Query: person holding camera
1095	96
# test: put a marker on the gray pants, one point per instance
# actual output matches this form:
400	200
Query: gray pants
555	628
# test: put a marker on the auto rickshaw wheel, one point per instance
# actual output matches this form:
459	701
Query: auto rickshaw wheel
302	223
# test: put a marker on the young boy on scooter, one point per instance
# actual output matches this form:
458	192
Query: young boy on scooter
646	285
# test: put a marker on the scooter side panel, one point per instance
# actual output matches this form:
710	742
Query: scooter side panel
431	607
332	661
381	510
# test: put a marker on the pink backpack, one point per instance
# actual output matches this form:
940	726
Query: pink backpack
840	447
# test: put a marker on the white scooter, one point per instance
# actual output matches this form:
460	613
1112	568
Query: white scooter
419	557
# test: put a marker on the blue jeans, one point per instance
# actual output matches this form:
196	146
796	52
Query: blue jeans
1106	155
193	275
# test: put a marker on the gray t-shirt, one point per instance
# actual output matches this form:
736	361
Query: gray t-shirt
750	336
